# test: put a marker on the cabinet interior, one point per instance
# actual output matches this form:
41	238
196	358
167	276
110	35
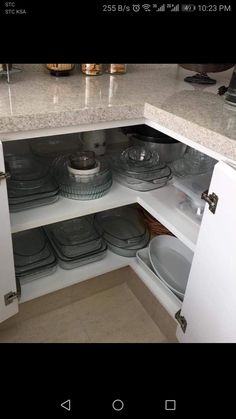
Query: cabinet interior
163	204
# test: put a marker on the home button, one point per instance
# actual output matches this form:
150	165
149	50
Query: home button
118	405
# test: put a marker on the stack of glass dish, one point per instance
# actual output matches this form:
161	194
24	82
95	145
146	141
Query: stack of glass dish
123	230
140	169
76	242
33	256
82	184
51	147
192	163
30	184
190	191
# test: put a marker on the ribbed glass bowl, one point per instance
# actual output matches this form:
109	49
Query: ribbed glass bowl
64	177
85	193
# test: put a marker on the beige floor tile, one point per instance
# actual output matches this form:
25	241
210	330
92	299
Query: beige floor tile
55	326
115	315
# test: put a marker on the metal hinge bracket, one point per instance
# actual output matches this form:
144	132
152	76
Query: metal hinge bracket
181	320
211	199
4	176
10	297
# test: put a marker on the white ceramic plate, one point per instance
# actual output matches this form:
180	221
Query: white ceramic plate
171	260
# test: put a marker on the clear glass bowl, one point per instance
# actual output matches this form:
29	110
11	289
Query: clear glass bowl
196	162
150	175
139	156
82	160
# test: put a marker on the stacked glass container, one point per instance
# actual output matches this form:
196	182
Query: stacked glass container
140	168
123	230
30	184
76	242
82	183
33	255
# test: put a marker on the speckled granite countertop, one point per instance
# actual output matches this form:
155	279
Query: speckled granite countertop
36	100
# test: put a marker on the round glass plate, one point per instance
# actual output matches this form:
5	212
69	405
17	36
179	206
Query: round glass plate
25	169
55	146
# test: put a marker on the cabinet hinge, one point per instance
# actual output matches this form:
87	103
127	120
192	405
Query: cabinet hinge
4	176
211	199
181	320
10	297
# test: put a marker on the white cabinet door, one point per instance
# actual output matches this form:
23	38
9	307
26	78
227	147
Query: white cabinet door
7	273
209	305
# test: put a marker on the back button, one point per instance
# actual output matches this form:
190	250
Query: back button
66	405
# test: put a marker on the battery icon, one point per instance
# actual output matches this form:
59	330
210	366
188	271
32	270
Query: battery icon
188	7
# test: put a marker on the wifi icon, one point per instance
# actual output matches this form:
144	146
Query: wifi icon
146	7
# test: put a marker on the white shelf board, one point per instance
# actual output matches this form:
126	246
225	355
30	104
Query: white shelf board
65	209
162	204
63	278
158	289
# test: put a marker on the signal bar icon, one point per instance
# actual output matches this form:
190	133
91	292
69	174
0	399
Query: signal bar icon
161	8
175	8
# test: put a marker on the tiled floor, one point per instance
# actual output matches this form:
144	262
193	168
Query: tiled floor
110	315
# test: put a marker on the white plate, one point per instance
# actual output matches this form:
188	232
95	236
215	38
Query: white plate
171	260
143	259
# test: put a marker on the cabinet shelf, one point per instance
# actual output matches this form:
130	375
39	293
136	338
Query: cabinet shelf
63	278
161	203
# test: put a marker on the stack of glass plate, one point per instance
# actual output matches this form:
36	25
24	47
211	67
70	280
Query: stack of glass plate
192	163
123	230
76	242
82	186
139	168
33	255
50	148
30	184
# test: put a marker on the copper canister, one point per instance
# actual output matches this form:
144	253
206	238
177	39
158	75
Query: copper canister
92	69
59	70
116	68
